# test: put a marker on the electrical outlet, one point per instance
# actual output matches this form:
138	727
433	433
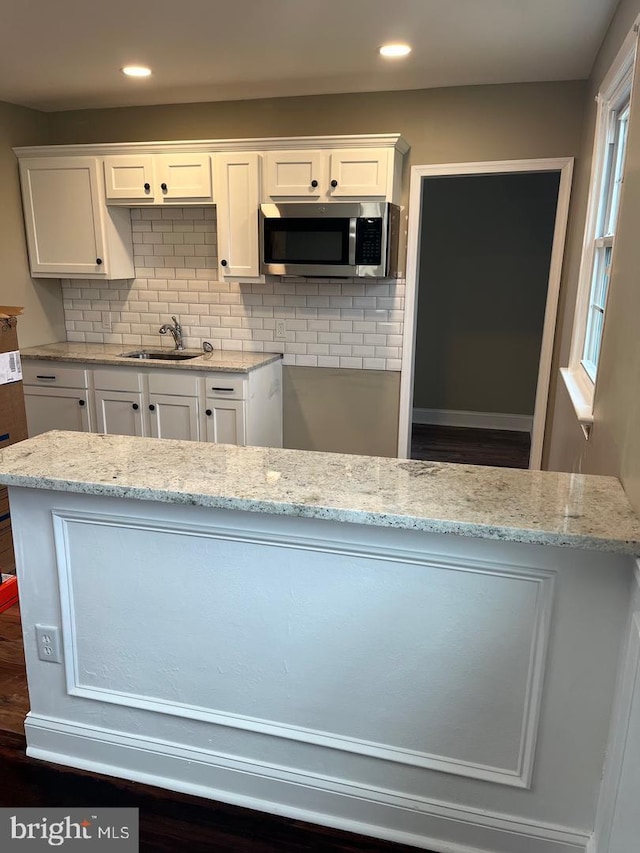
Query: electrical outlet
48	641
281	330
106	321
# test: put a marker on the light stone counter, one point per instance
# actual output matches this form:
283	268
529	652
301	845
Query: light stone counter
492	503
218	360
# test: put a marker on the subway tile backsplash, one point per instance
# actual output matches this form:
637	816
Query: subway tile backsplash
329	323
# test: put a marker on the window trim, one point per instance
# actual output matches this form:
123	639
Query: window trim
618	80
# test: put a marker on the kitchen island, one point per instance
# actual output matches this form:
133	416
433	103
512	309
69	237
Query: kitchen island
417	651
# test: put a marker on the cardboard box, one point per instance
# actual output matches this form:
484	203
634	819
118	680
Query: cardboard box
13	419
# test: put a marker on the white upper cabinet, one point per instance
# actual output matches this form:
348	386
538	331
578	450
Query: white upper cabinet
360	172
320	175
181	179
237	201
295	173
70	231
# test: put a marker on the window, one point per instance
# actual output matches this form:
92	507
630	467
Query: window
607	175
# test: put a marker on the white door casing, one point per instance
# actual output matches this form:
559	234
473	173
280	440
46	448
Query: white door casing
563	165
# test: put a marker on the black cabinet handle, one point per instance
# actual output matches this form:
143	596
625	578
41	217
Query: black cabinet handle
163	187
223	263
147	187
314	183
135	407
208	412
41	376
218	388
98	261
81	402
152	408
334	183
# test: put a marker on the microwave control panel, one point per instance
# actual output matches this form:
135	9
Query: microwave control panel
369	241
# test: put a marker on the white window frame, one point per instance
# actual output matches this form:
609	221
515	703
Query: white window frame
613	97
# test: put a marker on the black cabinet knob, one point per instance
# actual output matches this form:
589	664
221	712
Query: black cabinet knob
314	183
152	408
98	261
334	183
163	187
208	412
223	263
81	402
135	407
147	187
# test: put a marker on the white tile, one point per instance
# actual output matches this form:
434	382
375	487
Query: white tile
328	361
339	349
306	361
318	349
351	362
341	326
306	337
393	364
373	363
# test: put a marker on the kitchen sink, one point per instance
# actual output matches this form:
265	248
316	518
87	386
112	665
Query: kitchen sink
160	356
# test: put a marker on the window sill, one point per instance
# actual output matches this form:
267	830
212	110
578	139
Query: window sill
581	396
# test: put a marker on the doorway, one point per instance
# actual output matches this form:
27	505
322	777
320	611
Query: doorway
484	256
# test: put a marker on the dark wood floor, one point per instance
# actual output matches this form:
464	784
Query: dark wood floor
169	822
470	446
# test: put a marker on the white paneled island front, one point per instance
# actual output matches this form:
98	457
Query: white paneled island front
417	651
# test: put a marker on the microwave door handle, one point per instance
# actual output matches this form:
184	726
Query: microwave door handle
352	241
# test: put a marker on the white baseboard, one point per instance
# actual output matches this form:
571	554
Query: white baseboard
476	420
343	805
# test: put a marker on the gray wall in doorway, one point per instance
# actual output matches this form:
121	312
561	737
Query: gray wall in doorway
484	265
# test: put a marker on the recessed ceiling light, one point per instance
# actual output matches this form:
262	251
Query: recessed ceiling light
136	71
395	50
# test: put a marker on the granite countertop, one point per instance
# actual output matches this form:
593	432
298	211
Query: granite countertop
218	360
547	508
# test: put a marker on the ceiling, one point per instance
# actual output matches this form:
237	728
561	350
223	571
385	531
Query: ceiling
66	54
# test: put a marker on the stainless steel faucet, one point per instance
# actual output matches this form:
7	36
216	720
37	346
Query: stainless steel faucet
176	332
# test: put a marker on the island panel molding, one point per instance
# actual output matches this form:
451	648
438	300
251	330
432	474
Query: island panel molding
443	608
355	556
382	812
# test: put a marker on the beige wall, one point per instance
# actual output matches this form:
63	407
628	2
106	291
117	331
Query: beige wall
341	411
42	321
614	444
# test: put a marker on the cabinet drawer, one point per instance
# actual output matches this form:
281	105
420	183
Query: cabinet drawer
173	382
116	380
53	373
226	385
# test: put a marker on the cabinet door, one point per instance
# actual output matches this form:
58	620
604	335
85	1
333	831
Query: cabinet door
119	412
184	177
62	203
295	173
237	178
359	172
224	420
176	417
129	176
56	408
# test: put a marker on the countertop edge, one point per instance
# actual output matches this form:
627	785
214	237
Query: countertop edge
349	516
202	362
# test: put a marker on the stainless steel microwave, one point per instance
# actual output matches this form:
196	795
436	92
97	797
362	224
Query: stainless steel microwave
335	239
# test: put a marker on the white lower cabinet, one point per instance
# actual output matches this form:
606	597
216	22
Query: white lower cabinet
224	407
224	421
56	396
171	416
56	408
119	412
